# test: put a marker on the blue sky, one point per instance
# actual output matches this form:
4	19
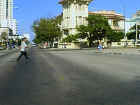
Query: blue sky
30	10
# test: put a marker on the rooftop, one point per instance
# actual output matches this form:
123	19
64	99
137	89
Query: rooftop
64	1
108	14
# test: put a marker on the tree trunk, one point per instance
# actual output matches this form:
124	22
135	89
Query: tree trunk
90	43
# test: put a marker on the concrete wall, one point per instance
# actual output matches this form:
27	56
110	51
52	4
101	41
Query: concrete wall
69	45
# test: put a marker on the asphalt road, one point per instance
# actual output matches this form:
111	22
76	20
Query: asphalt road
70	78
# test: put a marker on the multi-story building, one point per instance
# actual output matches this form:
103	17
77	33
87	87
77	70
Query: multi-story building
6	15
137	14
130	22
115	20
75	13
3	18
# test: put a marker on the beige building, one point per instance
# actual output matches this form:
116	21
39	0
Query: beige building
75	13
115	20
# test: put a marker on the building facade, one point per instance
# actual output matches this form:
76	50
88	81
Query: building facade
115	20
6	15
75	13
130	22
3	12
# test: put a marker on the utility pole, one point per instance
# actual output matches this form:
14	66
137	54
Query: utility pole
137	30
124	13
136	33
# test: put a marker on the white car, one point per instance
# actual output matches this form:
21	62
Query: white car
34	45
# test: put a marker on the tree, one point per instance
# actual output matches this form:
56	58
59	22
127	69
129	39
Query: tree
97	29
46	30
4	35
132	33
70	38
115	36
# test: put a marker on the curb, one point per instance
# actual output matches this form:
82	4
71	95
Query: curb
117	53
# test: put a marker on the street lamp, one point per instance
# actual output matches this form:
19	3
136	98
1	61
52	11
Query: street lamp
124	13
137	24
136	33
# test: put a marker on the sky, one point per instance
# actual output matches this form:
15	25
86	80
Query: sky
27	11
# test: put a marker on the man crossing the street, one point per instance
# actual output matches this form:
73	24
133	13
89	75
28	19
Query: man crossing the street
23	51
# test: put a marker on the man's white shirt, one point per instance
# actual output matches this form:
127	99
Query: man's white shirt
23	46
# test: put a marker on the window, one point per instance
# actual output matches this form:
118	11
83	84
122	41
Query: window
66	32
115	23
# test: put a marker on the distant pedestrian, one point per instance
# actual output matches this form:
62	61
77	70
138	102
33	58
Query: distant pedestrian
23	51
100	47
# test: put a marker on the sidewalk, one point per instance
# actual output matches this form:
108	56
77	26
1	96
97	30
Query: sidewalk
119	51
6	52
122	51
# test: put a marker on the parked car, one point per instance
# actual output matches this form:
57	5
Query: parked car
34	45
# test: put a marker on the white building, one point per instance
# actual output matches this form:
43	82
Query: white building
12	24
3	18
130	22
75	13
6	15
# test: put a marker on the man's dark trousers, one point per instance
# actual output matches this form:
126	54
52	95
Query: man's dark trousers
21	54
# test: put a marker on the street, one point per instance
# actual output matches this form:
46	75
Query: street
74	77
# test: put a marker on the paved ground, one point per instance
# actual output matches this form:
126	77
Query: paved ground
6	52
70	78
128	51
115	51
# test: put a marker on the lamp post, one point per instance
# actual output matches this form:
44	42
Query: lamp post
137	30
124	13
136	33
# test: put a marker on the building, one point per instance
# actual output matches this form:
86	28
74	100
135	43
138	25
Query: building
3	13
115	20
130	22
137	14
75	13
6	15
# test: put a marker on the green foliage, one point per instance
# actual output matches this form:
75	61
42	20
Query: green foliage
70	38
4	36
96	29
132	34
114	36
46	30
58	19
133	28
